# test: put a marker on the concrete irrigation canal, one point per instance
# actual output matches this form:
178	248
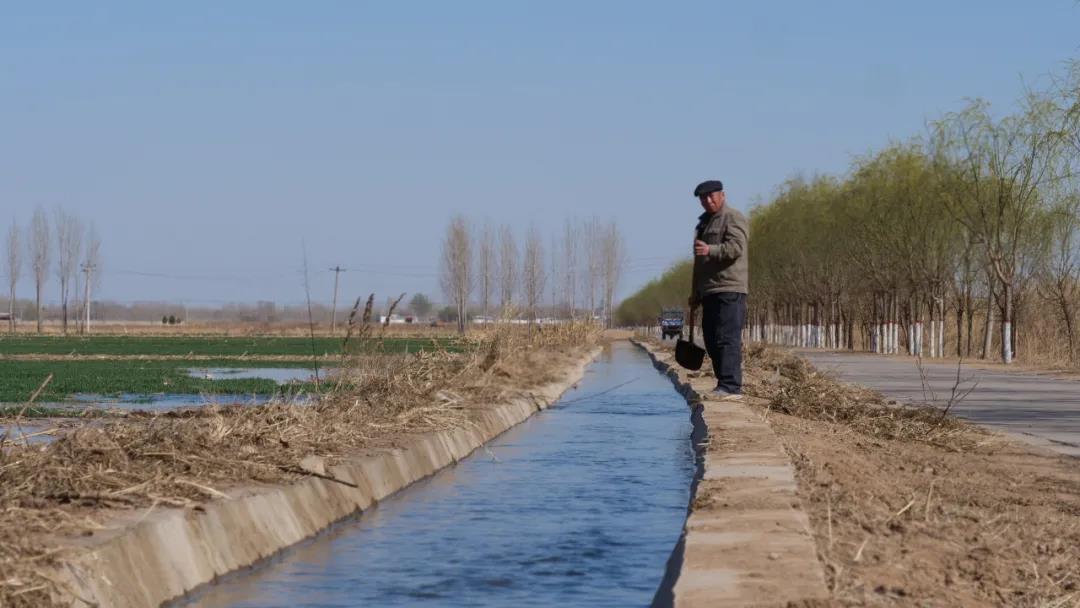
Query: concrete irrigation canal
581	505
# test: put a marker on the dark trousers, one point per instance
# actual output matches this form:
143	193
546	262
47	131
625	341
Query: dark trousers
722	317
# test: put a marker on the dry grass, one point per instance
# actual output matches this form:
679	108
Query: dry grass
184	458
792	386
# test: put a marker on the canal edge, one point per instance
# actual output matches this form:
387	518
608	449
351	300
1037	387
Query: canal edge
173	552
747	540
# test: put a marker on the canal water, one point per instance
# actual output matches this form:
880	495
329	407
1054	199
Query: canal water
581	505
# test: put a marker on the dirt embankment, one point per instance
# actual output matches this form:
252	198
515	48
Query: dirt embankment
912	509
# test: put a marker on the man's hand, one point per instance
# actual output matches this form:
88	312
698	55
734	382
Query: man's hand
701	248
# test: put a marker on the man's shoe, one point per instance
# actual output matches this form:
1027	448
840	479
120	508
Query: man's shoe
719	394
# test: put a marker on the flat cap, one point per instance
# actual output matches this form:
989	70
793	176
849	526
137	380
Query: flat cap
708	187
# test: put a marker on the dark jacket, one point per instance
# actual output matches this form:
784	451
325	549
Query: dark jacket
726	268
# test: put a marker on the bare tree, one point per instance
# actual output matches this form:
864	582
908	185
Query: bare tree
455	275
40	251
508	267
555	271
14	269
613	260
69	234
486	266
532	272
593	261
571	236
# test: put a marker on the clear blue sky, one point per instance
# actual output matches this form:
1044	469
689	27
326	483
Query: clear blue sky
207	140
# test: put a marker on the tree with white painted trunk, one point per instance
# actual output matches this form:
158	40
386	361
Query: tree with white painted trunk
1003	163
91	269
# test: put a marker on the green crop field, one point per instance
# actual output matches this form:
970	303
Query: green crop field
19	379
214	346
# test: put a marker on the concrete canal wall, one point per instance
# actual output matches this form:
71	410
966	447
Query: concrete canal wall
146	560
747	541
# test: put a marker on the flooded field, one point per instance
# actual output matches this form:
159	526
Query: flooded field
281	375
74	370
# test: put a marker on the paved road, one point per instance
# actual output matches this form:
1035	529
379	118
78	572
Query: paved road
1039	410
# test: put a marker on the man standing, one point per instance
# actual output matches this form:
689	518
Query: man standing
721	282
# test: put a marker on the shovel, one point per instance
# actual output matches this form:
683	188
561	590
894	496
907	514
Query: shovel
688	354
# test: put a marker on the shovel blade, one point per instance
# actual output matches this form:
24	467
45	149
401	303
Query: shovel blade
689	355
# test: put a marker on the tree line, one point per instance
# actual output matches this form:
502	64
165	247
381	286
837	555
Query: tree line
64	247
942	244
575	275
962	241
669	290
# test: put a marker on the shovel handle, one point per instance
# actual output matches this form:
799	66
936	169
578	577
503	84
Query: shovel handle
693	310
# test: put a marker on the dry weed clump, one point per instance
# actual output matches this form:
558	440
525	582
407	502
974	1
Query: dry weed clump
792	386
180	459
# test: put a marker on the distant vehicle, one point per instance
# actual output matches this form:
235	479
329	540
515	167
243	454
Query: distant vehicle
671	323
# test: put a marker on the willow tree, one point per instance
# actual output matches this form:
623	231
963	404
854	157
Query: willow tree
799	279
1002	163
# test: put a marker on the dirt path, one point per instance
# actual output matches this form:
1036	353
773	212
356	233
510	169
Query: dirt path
1036	409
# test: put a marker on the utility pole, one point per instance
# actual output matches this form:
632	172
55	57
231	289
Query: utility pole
87	269
337	270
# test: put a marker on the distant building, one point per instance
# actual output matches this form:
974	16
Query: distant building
4	316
